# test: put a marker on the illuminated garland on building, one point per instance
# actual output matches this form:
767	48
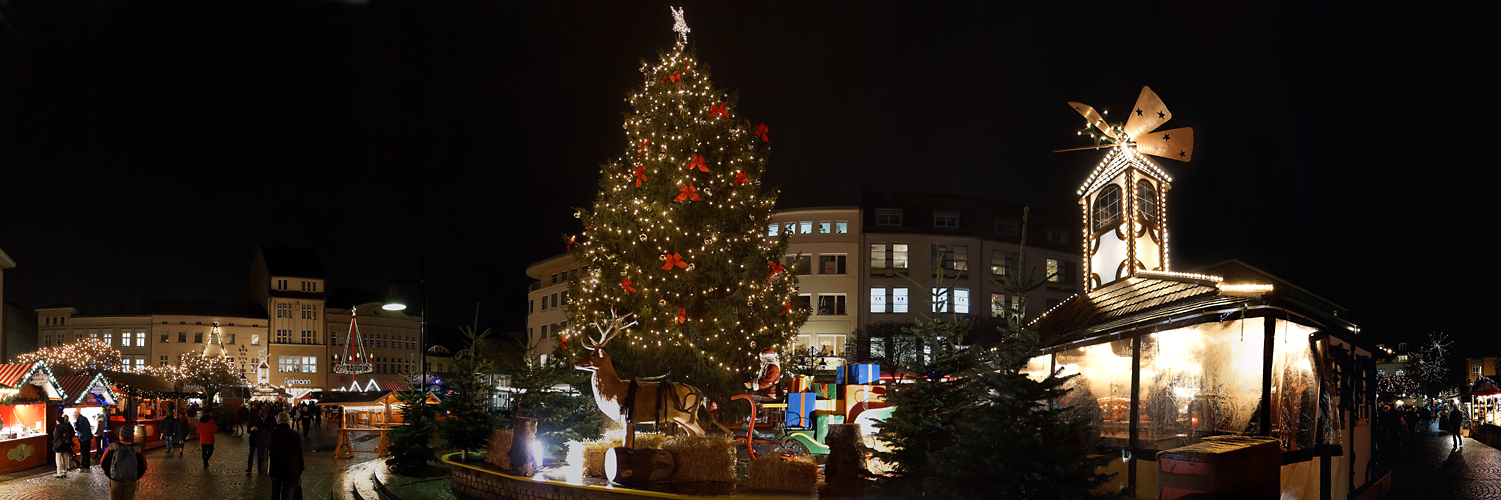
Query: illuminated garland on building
676	233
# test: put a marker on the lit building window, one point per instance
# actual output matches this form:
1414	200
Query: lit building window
773	228
899	256
805	227
997	305
940	298
1054	270
961	300
878	299
998	262
831	305
841	227
877	256
825	227
831	264
899	300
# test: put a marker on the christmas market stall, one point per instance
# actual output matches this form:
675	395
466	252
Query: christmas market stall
146	400
362	413
25	419
89	396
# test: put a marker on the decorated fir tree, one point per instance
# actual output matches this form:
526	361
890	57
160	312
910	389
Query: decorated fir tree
677	237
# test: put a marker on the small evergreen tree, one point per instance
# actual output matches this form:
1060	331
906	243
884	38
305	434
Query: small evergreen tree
562	415
410	447
468	420
973	425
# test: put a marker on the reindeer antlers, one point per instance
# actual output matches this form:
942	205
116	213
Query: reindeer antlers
609	332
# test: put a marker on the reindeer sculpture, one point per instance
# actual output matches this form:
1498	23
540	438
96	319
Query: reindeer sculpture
638	401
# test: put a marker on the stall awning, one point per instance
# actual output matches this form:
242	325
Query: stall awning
145	386
79	387
16	376
1128	302
372	398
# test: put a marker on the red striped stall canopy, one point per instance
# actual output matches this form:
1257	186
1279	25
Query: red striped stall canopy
17	376
78	387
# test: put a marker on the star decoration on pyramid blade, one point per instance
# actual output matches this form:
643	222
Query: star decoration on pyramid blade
1138	131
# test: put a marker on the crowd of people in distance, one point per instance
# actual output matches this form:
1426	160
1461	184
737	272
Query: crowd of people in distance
1395	423
270	429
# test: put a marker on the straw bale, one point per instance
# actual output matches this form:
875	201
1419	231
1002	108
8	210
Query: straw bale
498	451
593	451
773	473
702	459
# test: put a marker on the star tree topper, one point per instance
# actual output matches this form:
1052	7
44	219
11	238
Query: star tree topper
679	25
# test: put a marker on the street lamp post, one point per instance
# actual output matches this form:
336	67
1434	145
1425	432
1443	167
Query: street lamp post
394	303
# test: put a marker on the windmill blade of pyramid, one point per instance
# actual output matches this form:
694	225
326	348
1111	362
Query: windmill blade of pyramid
1177	143
1093	117
1148	114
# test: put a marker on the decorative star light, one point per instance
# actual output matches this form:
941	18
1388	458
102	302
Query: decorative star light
679	25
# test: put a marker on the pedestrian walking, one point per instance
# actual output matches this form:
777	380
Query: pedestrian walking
260	436
1456	427
318	416
85	431
286	460
206	430
62	444
182	435
169	431
123	464
306	416
244	422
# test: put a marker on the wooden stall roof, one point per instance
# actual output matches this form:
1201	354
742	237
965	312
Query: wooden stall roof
18	375
371	398
1130	301
78	386
142	385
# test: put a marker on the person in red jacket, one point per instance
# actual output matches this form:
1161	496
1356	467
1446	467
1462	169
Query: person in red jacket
771	373
206	430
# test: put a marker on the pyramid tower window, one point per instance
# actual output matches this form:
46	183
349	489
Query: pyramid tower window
1146	201
1107	208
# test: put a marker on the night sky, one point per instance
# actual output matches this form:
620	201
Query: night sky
146	147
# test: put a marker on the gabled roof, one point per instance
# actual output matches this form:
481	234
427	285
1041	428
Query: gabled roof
5	261
78	387
292	261
1130	301
1117	160
17	375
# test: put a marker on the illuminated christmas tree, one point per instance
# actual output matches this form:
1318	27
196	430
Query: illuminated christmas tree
677	237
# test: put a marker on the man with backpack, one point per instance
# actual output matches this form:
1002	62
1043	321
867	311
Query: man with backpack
124	465
169	431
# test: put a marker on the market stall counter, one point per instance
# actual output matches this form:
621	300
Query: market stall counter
151	398
24	432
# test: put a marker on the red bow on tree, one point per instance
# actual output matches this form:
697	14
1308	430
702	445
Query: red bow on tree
719	110
570	243
740	179
676	79
687	192
775	268
673	260
626	284
640	175
789	309
643	148
697	162
682	315
761	132
563	341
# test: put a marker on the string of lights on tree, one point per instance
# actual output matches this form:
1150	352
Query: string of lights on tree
676	233
88	354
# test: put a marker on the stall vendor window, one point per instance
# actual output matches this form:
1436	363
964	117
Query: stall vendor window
1101	393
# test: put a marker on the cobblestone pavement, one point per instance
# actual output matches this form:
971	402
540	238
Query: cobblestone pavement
185	478
1429	467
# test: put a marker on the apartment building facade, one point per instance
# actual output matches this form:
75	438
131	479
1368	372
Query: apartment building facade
287	320
880	262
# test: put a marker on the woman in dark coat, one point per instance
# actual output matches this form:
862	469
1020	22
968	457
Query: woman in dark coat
62	444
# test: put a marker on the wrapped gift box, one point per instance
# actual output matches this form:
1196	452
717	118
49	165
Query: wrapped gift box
826	390
858	374
800	383
800	406
858	398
